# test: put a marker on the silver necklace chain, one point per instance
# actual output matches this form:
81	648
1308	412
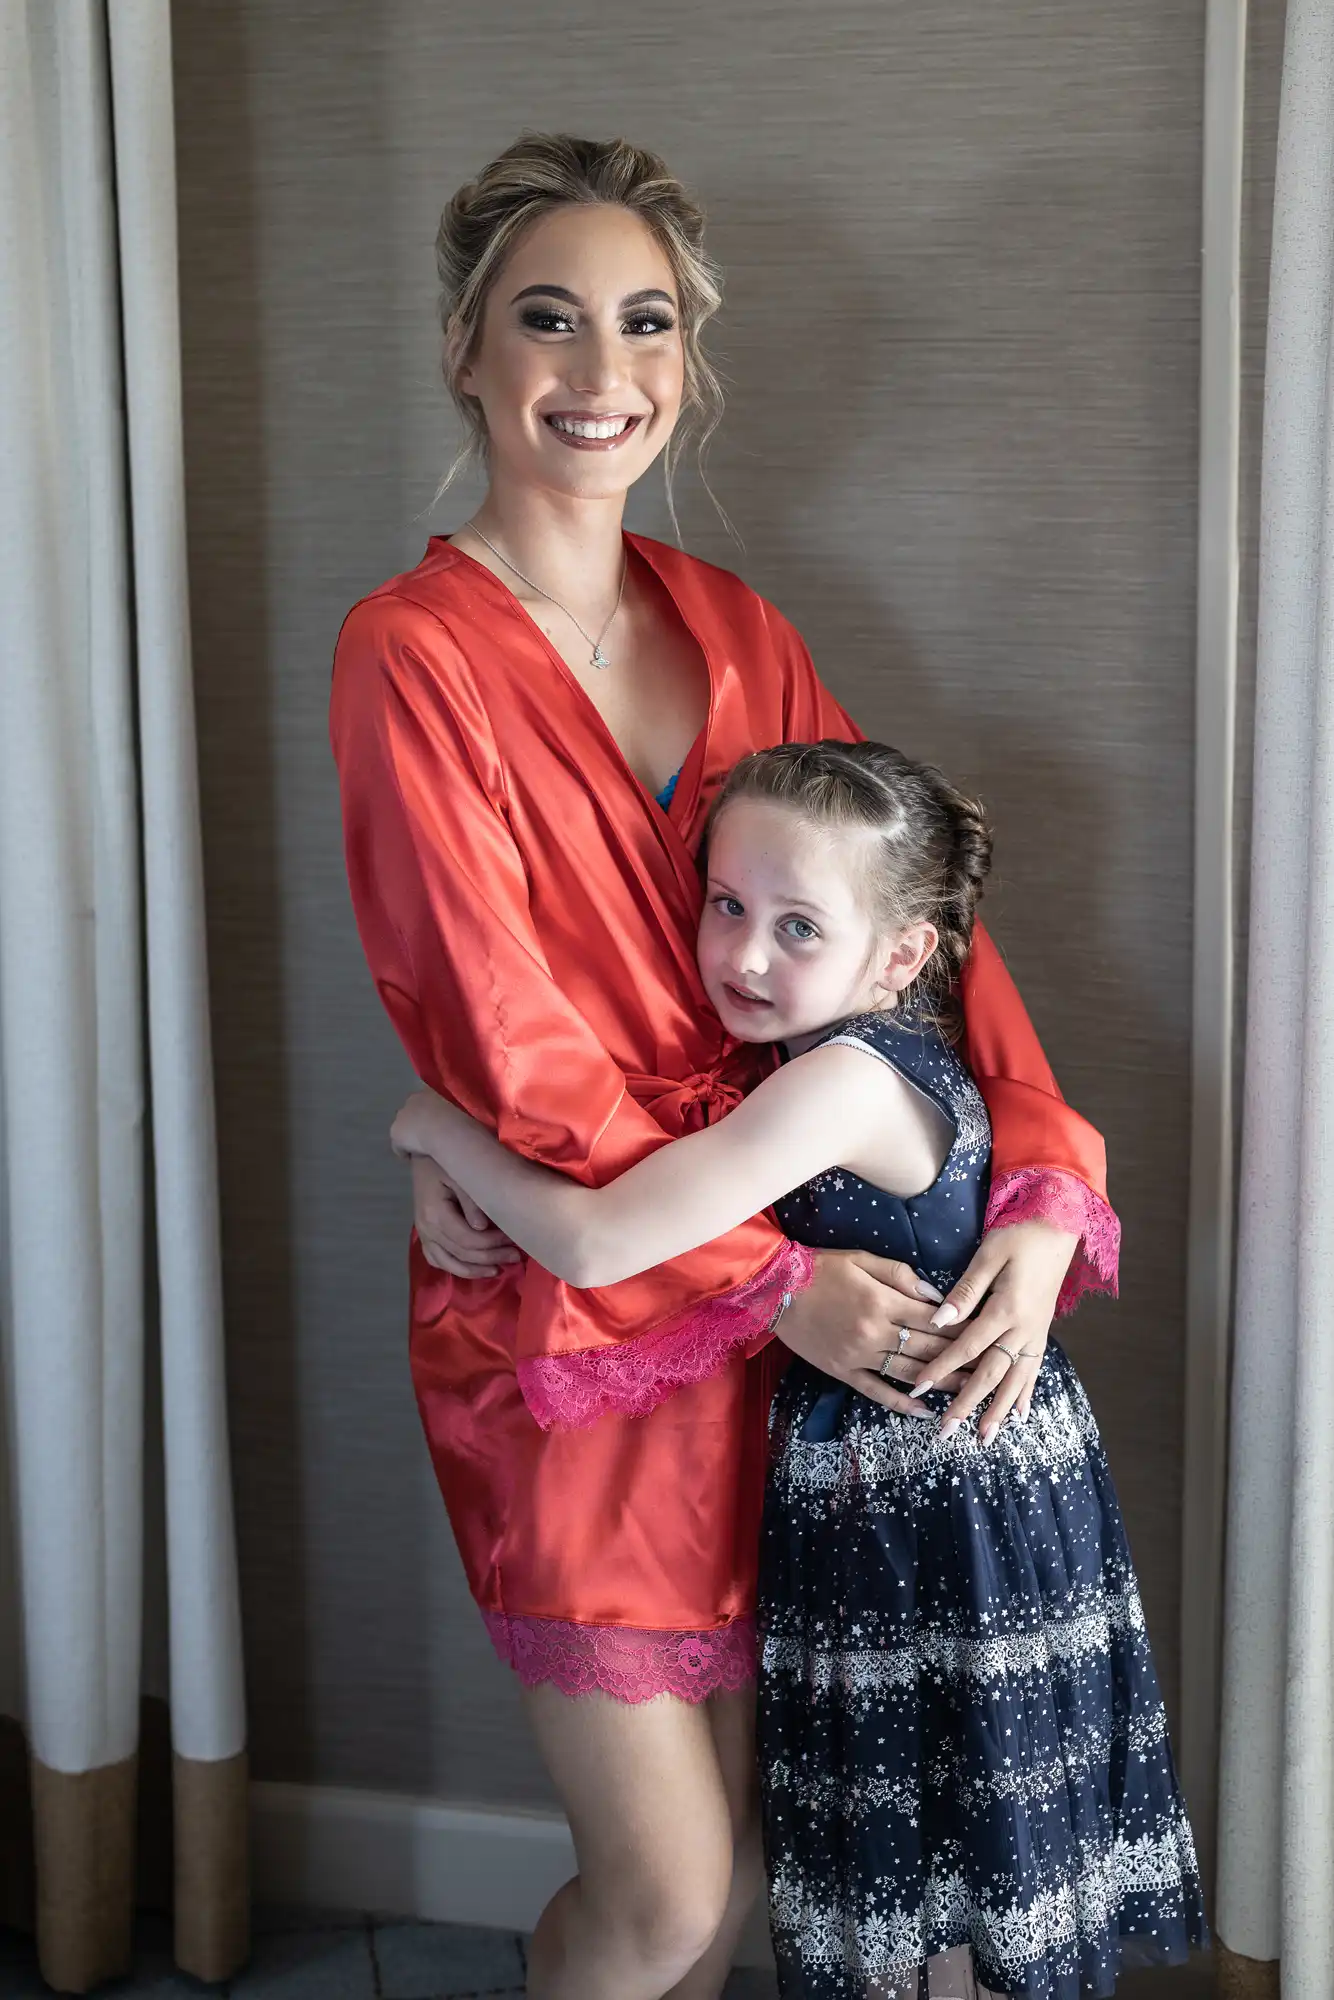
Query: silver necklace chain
599	658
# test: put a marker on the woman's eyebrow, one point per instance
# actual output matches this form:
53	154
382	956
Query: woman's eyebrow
653	294
547	292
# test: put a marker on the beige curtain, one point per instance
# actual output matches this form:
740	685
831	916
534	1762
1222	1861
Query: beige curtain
1275	1906
114	1437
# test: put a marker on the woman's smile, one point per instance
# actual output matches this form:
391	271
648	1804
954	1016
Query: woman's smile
591	431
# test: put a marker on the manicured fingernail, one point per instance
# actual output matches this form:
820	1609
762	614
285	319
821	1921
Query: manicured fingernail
921	1389
948	1428
946	1316
925	1291
1021	1416
929	1415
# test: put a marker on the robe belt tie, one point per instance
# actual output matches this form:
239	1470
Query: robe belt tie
686	1104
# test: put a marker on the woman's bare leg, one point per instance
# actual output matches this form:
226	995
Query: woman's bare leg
732	1720
648	1804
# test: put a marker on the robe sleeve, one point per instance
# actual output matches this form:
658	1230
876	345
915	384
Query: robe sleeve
440	892
1047	1163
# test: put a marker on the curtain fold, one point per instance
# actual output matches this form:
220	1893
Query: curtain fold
106	1110
1276	1859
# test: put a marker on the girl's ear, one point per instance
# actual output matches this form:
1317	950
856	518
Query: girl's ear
909	954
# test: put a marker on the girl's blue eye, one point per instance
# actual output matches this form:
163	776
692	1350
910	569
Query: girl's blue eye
798	928
729	906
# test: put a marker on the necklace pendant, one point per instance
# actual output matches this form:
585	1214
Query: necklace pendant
600	658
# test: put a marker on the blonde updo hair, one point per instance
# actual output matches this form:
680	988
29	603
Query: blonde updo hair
546	170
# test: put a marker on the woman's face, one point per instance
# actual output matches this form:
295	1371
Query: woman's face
579	365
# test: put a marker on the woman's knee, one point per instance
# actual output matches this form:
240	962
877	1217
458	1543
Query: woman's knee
748	1854
668	1922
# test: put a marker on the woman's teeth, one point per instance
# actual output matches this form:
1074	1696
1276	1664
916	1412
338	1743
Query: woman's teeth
591	427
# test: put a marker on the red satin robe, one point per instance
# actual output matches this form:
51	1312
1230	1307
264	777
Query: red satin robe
529	915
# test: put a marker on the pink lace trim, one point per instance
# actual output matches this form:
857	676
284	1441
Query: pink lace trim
574	1390
1047	1194
625	1661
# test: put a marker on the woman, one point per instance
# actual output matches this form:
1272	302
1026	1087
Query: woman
529	727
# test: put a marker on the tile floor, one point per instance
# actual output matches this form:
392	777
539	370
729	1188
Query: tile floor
306	1955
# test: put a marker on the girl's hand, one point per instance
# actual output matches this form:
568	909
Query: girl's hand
1018	1273
455	1235
847	1322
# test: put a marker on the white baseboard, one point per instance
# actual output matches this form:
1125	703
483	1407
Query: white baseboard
335	1849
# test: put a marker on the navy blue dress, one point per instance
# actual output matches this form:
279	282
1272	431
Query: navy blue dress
968	1787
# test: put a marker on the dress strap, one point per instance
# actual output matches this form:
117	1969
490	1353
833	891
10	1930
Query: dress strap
915	1048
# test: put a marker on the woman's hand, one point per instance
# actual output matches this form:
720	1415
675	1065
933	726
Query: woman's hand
1018	1273
848	1321
455	1235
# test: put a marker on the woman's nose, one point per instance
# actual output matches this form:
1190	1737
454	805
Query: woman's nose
599	362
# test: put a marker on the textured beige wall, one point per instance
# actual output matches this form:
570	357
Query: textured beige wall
962	254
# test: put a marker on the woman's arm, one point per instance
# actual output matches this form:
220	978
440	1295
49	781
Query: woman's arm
824	1109
441	895
1049	1165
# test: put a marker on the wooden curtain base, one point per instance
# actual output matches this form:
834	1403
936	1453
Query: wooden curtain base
211	1819
71	1842
83	1847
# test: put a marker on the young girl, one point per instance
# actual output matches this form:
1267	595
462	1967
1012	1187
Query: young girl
967	1782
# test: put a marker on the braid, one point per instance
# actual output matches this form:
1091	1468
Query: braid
965	865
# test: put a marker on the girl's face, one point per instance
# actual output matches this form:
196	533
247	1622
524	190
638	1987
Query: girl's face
786	946
579	364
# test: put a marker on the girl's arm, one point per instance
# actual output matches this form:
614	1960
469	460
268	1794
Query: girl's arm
824	1109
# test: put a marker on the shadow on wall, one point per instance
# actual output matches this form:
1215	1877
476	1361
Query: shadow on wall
234	691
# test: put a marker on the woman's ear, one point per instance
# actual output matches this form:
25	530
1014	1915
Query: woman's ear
909	954
463	369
